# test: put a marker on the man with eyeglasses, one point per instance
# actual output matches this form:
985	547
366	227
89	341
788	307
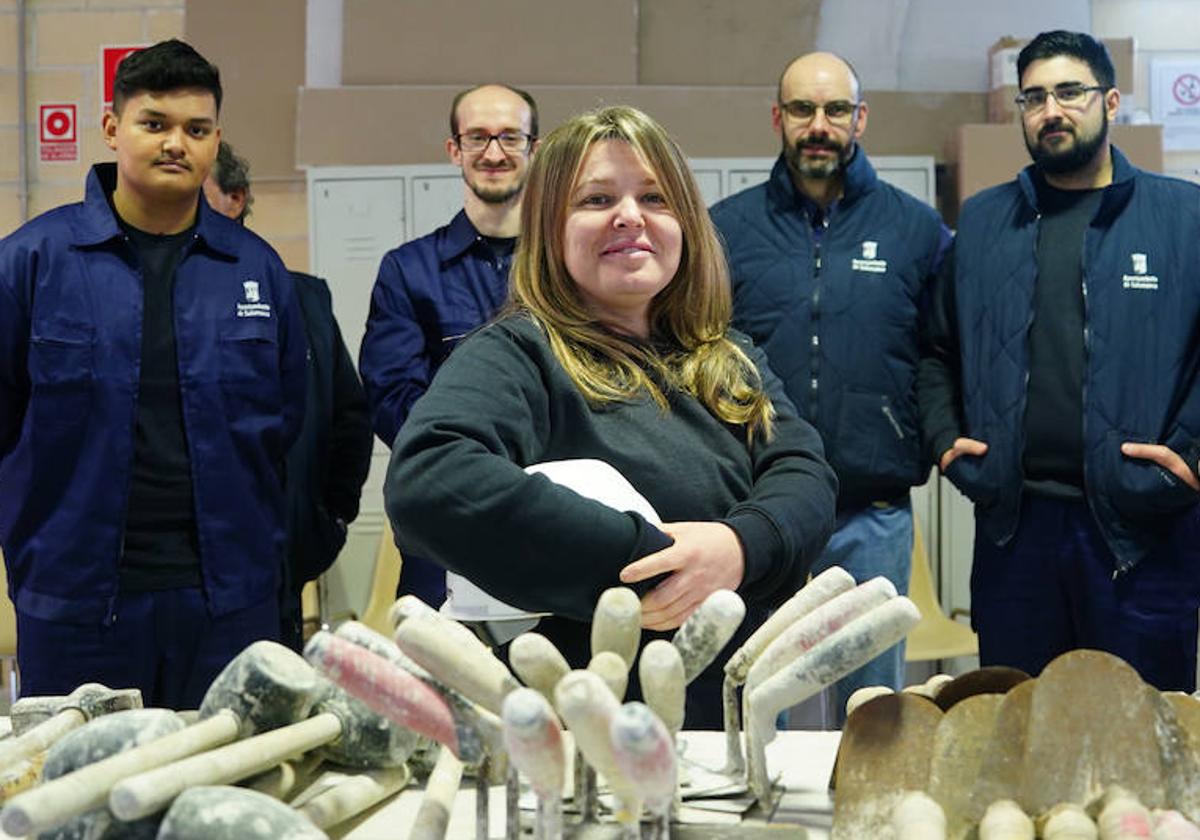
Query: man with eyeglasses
1058	386
830	267
432	291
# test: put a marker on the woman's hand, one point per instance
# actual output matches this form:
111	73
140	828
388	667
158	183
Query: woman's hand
705	557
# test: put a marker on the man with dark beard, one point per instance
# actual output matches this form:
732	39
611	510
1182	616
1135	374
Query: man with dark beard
434	290
830	269
1058	386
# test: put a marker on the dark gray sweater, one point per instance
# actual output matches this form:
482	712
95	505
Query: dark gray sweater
457	492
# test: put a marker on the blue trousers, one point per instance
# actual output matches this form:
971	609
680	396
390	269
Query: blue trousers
164	643
1051	589
873	541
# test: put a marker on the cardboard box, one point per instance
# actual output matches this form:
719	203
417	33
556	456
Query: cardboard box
406	124
259	112
701	43
1002	73
465	42
1001	105
986	155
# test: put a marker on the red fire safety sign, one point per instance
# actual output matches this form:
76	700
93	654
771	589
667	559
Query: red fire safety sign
58	135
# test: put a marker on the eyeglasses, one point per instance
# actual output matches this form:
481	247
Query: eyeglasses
510	141
1070	95
839	111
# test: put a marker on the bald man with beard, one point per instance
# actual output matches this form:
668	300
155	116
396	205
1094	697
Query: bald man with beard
830	268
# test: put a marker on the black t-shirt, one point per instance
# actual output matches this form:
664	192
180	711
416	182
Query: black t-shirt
502	250
1053	456
161	548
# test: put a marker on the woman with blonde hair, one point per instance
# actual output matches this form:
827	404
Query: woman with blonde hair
615	346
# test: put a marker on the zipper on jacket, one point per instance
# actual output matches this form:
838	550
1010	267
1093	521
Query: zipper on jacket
815	318
111	617
184	253
1021	441
1122	567
110	614
891	416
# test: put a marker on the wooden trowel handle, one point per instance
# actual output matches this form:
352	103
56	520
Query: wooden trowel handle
86	788
473	671
433	818
145	793
40	738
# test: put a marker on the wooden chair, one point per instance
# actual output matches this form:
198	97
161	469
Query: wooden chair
936	636
8	637
384	581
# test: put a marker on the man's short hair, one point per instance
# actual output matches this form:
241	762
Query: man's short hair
167	65
533	114
232	172
1076	45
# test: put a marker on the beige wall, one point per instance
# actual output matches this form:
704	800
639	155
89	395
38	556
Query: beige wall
63	39
259	47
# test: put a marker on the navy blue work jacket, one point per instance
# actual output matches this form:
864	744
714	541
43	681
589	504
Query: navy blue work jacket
429	294
1141	287
70	354
839	314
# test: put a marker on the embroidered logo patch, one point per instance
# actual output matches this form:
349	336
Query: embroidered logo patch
869	261
1140	279
252	307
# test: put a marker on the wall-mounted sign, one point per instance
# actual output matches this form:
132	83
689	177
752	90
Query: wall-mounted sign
58	135
110	57
1175	101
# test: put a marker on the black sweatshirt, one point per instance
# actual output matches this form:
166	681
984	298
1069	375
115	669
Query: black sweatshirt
457	492
1053	456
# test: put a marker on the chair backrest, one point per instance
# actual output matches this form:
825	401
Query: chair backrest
384	580
8	615
920	582
936	636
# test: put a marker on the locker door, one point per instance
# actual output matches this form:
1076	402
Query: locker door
355	222
435	200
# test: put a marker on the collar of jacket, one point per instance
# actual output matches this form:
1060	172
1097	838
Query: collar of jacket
858	178
98	224
1116	194
460	236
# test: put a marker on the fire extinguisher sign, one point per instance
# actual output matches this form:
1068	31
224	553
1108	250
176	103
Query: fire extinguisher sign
110	57
58	134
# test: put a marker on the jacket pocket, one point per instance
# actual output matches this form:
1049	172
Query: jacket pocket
1139	489
877	439
249	353
969	473
61	358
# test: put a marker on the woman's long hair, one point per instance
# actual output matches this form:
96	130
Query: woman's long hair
688	347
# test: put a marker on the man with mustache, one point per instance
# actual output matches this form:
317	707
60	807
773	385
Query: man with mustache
152	378
830	267
1058	386
434	290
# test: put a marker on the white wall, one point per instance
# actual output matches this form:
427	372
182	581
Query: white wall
938	45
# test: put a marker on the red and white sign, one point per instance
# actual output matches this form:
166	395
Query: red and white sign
58	135
110	57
